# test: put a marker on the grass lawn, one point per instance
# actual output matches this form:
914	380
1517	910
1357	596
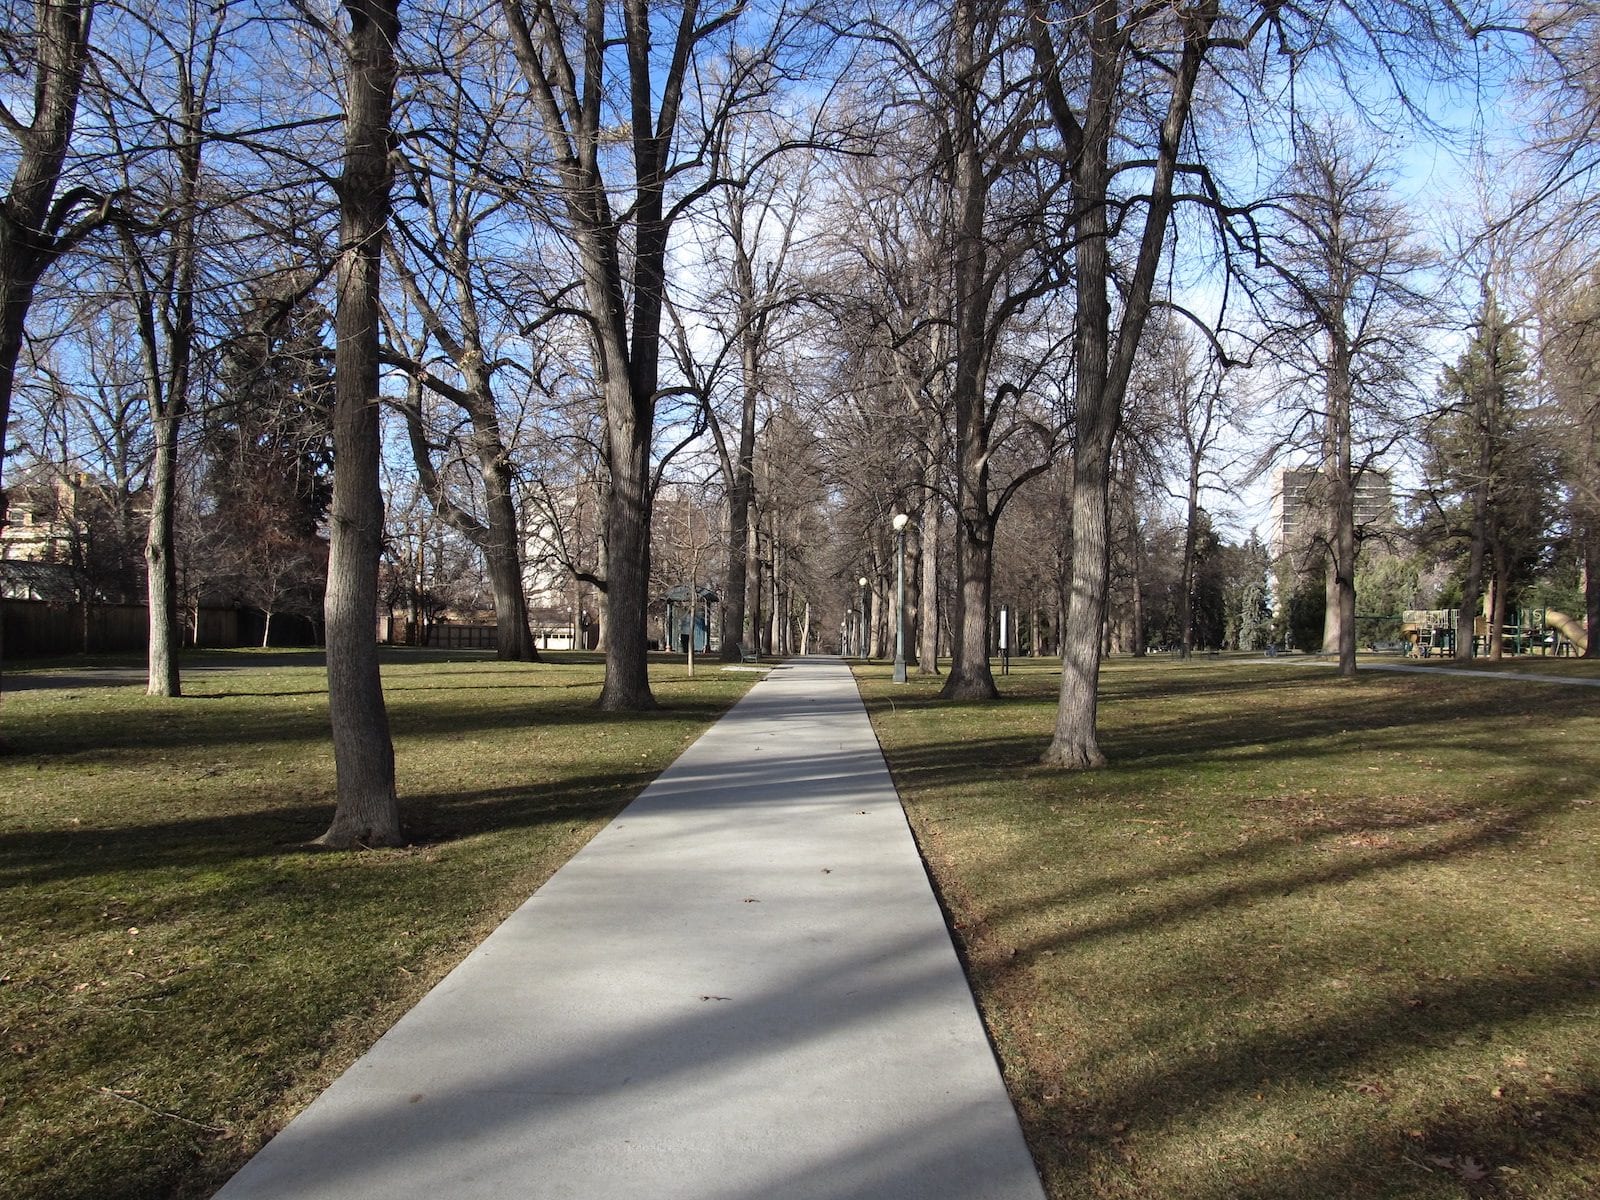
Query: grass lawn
1304	938
179	974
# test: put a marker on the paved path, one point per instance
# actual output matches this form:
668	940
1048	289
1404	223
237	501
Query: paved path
1417	669
742	988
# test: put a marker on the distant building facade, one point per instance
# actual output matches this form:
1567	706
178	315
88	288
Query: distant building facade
1300	506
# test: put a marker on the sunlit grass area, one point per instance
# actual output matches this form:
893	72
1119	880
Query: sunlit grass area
1304	938
179	973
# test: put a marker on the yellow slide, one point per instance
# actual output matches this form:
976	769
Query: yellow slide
1567	628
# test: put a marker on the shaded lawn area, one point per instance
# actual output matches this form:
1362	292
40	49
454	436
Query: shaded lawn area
179	974
1303	938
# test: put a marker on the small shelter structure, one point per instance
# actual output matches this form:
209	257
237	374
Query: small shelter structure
684	619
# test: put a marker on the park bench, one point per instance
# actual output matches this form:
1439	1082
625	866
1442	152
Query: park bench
747	655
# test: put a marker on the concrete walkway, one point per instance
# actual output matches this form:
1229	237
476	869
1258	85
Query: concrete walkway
742	988
1451	672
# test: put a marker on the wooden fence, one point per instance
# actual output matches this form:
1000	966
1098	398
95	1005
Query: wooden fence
37	628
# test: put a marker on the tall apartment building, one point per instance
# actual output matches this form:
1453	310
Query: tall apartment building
1300	505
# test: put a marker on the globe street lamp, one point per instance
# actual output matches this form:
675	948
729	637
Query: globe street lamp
900	522
866	646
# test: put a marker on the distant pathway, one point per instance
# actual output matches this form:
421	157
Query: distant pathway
741	989
1448	672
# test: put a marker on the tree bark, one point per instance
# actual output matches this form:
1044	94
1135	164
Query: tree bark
742	487
367	811
161	565
970	676
1472	583
628	423
1101	379
33	225
1191	530
928	602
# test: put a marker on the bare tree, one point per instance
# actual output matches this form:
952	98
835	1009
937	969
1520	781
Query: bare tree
459	177
754	285
628	100
1190	395
1094	64
368	810
161	265
1350	318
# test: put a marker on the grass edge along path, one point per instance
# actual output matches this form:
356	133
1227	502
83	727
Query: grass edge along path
1304	937
179	974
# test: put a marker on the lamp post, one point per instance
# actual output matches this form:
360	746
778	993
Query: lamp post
900	522
866	622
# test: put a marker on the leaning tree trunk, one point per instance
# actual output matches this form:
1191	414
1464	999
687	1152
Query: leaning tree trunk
368	811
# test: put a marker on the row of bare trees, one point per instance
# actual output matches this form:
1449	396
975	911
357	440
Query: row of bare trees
842	260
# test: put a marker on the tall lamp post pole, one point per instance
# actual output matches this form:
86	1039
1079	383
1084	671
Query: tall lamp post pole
900	522
866	622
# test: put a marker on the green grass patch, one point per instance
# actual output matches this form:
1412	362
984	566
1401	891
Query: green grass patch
179	974
1304	937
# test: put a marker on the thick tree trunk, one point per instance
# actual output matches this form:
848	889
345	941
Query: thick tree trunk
30	240
27	243
514	637
627	683
1076	742
1344	572
1330	595
751	634
733	601
1101	380
970	675
161	566
368	811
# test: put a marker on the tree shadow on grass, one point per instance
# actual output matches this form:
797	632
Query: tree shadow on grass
429	819
1350	1053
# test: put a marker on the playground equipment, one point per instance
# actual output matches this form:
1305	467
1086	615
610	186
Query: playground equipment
1567	628
1431	632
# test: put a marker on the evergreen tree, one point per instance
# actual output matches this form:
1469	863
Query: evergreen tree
1487	479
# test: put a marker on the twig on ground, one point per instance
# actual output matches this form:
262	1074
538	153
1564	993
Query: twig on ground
171	1116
